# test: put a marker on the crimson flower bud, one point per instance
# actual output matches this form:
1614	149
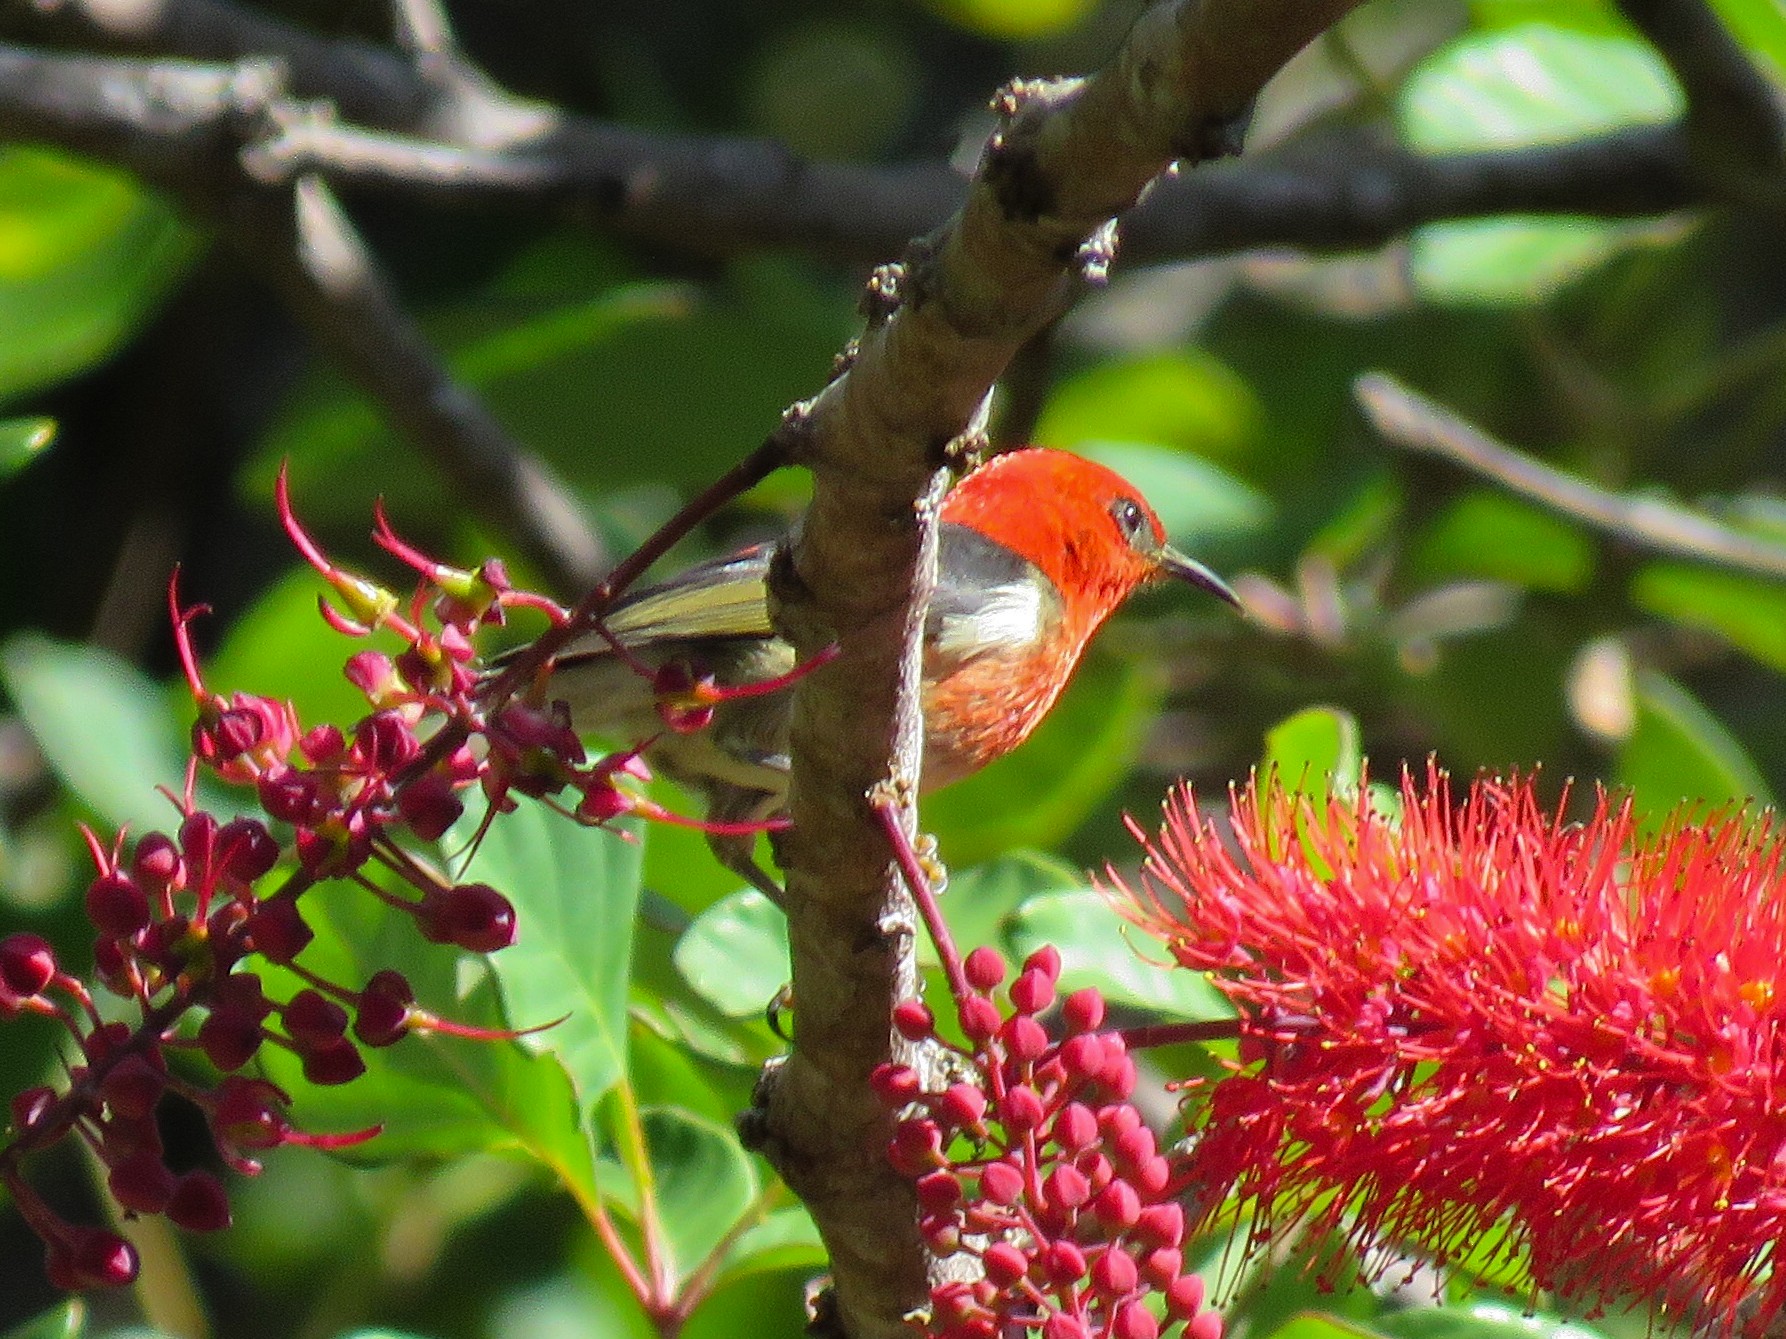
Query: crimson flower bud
472	915
979	1018
1067	1187
1113	1274
1021	1108
1064	1261
338	1062
1032	991
1160	1225
1004	1263
277	930
133	1087
199	1203
1206	1324
324	745
229	1037
1184	1297
246	849
962	1104
1118	1206
1045	960
429	805
31	1106
27	963
1134	1321
156	863
105	1041
913	1020
382	1015
917	1147
1153	1176
249	1113
116	906
896	1085
1083	1010
1161	1268
938	1191
1061	1325
985	968
1075	1129
1001	1183
1026	1038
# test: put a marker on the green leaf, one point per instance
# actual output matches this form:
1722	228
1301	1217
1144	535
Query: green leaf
1480	1320
433	1095
1185	399
1014	19
1486	535
576	892
735	955
1037	795
103	725
21	439
1320	1325
1680	753
1748	612
1511	88
705	1183
1760	25
1099	948
1314	751
67	1321
979	902
85	254
786	1239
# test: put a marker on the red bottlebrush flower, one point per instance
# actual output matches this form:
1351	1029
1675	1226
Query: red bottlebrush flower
1464	1016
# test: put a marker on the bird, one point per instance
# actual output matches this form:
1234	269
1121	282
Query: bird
1036	548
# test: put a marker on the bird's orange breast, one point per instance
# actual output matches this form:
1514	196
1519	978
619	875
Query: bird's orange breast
981	712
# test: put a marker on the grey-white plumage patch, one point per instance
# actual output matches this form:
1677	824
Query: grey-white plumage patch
1008	618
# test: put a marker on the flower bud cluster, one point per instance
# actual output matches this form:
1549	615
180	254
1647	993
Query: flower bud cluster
1036	1165
186	920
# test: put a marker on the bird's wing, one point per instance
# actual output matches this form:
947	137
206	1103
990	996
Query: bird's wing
725	597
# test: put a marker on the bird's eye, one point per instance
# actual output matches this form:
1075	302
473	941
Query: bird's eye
1131	519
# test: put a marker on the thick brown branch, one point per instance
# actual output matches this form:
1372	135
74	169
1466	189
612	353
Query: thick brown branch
1068	157
180	127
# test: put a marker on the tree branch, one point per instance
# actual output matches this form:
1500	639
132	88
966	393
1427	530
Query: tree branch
1068	157
1415	423
180	128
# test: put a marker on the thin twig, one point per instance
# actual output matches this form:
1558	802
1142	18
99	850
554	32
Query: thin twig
888	810
1415	423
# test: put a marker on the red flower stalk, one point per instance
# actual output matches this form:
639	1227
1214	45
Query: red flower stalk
1460	1018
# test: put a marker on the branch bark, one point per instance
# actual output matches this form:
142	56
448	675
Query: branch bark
1068	157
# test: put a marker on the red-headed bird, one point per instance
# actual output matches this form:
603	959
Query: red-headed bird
1036	549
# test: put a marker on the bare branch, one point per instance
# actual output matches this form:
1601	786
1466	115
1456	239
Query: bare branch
1415	423
1068	157
1735	114
180	128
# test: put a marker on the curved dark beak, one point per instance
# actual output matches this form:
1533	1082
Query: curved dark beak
1172	563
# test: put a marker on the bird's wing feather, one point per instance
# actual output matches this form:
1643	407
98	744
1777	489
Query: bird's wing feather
726	597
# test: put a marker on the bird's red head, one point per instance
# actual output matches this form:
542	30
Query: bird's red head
1083	526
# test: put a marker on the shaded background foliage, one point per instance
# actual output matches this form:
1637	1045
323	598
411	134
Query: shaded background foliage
1424	611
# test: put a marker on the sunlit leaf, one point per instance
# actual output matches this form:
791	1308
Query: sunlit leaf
980	901
1315	750
1486	1319
1489	536
1185	399
704	1182
735	955
85	254
21	441
67	1321
1014	18
1099	948
1746	611
1680	753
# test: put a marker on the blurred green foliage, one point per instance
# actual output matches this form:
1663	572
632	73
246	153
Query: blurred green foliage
1403	610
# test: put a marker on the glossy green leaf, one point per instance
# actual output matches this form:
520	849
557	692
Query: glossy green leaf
1486	535
786	1239
705	1182
1206	511
1510	88
1317	749
1320	1325
735	955
979	902
1037	795
432	1095
1099	948
67	1321
85	254
1185	399
1748	612
21	441
382	1333
1680	753
104	726
1486	1319
1014	18
576	892
1760	25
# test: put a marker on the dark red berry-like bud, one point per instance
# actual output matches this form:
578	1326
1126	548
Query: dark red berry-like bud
1045	960
962	1104
277	930
1067	1187
133	1087
90	1257
249	1113
917	1147
1064	1261
1021	1109
985	968
382	1015
1134	1321
1163	1266
27	963
913	1020
116	906
323	745
246	850
1026	1039
1075	1128
156	864
105	1041
938	1191
199	1203
472	915
1184	1297
1114	1274
1118	1206
31	1106
314	1021
141	1183
290	795
229	1037
896	1085
429	806
340	1062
